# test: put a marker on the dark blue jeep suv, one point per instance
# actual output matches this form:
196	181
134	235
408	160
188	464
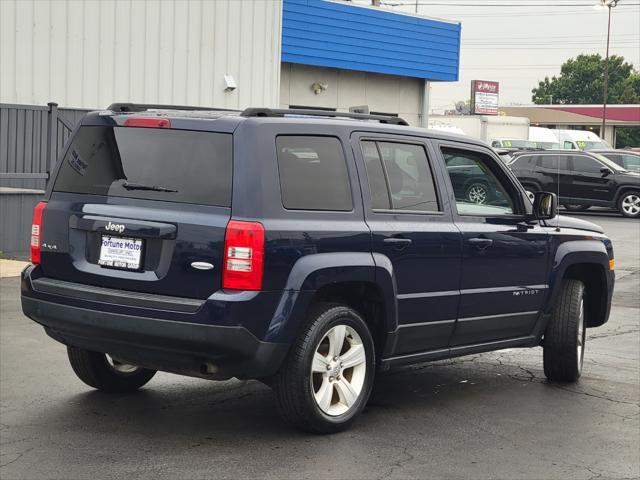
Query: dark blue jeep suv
306	249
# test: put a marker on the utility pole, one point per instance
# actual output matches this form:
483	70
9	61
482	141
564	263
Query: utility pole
609	4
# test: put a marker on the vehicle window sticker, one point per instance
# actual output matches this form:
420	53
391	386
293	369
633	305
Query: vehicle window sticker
77	163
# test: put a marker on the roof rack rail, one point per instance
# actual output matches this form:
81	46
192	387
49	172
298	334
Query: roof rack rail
141	107
269	112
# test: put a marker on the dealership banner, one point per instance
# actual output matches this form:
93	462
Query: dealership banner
484	97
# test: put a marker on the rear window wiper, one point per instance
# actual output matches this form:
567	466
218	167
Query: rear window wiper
141	186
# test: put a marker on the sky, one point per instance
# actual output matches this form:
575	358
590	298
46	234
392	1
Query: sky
520	44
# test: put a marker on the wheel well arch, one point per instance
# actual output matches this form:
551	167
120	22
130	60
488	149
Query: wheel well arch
622	190
366	298
594	278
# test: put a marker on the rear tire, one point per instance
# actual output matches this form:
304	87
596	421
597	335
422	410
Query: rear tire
576	208
327	377
629	204
564	338
106	374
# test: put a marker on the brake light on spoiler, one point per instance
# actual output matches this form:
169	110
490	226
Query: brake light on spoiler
147	122
36	232
243	259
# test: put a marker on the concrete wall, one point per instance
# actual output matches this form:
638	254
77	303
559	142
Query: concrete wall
346	88
89	53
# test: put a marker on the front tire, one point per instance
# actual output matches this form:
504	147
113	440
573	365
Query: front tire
105	373
326	379
629	204
564	338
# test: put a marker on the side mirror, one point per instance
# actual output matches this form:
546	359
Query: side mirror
545	205
605	171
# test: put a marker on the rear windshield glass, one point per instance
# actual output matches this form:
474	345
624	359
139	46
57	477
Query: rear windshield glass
147	163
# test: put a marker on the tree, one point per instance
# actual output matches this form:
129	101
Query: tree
581	81
631	89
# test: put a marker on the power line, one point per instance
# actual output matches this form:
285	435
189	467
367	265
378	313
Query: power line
501	5
598	37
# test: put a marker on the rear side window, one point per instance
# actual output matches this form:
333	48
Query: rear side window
555	162
313	173
147	163
400	177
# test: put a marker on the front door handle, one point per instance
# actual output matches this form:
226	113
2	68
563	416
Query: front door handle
481	243
398	243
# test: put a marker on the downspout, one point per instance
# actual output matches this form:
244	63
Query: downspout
424	107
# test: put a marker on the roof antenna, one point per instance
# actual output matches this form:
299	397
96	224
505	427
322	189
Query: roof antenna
558	190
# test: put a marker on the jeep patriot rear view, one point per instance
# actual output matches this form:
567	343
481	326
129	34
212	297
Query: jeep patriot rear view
304	249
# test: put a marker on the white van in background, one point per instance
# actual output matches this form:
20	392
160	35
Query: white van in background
544	138
445	127
580	140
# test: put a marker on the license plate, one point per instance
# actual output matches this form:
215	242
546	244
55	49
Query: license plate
118	252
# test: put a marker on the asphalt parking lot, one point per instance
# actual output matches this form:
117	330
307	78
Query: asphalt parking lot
484	416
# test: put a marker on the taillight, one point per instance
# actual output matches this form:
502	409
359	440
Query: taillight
243	259
36	232
147	122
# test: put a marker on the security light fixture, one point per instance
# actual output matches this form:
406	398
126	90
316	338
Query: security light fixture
229	83
318	87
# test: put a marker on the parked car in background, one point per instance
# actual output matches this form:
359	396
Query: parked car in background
515	143
581	180
627	159
291	247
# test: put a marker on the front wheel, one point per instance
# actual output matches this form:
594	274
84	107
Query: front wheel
327	377
101	371
564	338
629	204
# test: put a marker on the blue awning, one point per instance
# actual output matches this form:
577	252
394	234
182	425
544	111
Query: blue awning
331	34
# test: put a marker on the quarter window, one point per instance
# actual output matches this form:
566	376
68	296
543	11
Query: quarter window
313	173
400	177
478	191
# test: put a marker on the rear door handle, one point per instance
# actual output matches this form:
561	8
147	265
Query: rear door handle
398	243
480	243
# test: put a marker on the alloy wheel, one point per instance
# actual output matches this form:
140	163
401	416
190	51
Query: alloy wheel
338	370
477	194
631	204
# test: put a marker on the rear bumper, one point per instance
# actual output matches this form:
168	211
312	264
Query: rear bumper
179	346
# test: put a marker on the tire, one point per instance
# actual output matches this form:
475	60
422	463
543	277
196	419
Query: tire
342	392
477	193
100	371
629	204
564	338
576	208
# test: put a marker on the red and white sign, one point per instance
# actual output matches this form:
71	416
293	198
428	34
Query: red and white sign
484	97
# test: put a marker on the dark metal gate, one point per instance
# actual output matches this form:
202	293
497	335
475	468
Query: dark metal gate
31	139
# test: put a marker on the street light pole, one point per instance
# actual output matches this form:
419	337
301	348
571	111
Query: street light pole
609	4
